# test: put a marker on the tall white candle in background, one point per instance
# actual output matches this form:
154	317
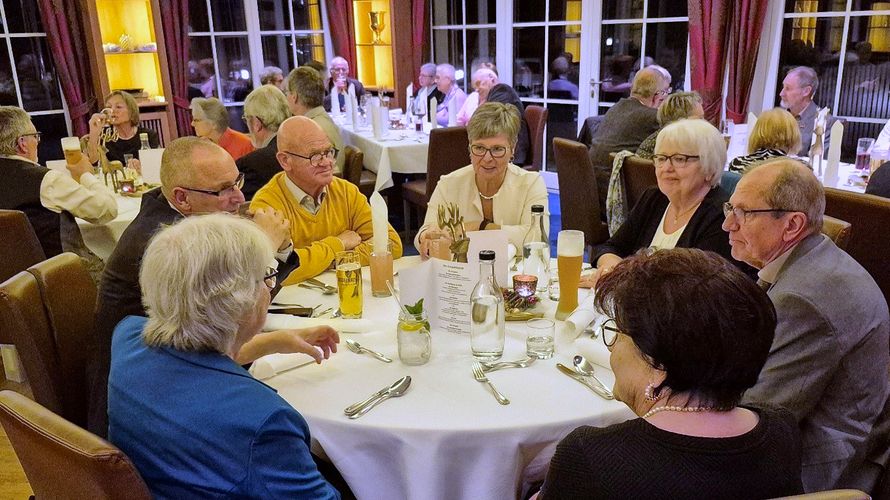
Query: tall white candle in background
834	154
431	112
409	93
348	108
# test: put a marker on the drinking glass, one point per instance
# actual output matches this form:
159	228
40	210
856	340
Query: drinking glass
863	154
381	272
418	109
71	149
413	336
569	255
440	246
349	284
726	128
539	342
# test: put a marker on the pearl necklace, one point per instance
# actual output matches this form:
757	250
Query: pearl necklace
489	198
685	409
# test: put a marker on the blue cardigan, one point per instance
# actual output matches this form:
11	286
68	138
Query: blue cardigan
196	424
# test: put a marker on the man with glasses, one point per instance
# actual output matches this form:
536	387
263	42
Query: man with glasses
197	177
340	82
326	214
427	80
264	110
828	361
49	198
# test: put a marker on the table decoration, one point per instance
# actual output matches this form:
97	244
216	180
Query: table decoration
450	219
524	285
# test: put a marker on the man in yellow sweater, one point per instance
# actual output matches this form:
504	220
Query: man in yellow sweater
327	214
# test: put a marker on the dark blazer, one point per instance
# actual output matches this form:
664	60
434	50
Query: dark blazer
359	91
20	190
703	231
879	182
258	167
505	94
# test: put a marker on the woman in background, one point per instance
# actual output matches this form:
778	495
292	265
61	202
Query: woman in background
119	123
211	121
776	133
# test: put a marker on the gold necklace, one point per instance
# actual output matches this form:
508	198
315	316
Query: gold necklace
681	214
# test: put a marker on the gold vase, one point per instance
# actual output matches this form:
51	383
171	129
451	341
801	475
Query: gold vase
377	25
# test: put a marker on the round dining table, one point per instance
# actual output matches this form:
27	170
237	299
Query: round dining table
446	437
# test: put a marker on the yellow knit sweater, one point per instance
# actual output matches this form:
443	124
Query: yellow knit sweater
315	236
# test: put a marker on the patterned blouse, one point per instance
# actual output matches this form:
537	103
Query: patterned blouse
742	163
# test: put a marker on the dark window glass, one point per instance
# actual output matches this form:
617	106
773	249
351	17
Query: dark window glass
38	82
8	96
565	10
623	9
565	49
309	48
481	11
448	46
667	8
52	128
278	51
562	121
816	5
528	70
274	15
228	15
307	14
22	16
814	42
201	68
665	48
235	120
525	12
234	67
481	45
865	86
198	18
447	12
619	59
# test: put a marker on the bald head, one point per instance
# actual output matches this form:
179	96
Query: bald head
299	140
192	167
790	184
296	131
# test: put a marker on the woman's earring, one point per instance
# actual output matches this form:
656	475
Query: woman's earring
649	393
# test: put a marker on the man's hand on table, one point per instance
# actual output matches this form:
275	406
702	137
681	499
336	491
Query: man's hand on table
350	239
273	223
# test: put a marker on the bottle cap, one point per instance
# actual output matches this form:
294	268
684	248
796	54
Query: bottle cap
486	255
537	209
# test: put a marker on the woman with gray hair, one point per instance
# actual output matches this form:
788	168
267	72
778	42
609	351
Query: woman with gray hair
191	419
685	210
211	121
675	107
492	192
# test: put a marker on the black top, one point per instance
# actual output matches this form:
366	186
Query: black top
879	182
506	94
117	149
258	167
703	231
635	459
20	190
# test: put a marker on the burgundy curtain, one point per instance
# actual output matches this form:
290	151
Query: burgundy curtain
340	21
68	45
420	38
175	21
744	40
709	22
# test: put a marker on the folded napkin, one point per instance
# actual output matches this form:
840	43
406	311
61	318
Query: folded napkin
286	321
594	350
375	122
581	318
273	364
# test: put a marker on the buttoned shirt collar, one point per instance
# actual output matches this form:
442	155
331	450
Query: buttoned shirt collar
770	272
306	200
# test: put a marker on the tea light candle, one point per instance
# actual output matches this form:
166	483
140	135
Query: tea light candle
525	284
128	186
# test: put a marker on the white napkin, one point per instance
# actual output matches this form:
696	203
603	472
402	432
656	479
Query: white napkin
580	318
452	114
353	107
375	121
273	364
287	321
349	110
335	104
151	165
752	119
594	350
383	118
409	93
431	112
834	154
380	223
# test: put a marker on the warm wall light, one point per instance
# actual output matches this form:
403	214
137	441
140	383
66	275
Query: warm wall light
879	29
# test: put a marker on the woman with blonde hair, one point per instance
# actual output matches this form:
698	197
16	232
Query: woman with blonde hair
675	107
119	123
776	133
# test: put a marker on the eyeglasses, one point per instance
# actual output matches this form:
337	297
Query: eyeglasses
226	191
495	152
609	332
666	91
270	278
742	214
316	158
677	160
35	134
339	70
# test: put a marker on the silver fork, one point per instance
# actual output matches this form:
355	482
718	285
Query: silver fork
480	377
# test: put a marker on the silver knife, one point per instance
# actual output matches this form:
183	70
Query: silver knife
602	392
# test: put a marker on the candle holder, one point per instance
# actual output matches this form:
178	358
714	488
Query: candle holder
525	284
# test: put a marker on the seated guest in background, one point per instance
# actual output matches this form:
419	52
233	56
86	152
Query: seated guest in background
483	80
675	107
492	193
688	334
119	121
879	182
273	75
197	177
327	214
340	82
560	85
828	362
685	210
454	96
882	143
626	125
50	199
798	89
774	134
214	430
506	94
264	110
305	94
211	121
427	80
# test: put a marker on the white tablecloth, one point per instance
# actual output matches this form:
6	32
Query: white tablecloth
102	238
400	151
447	437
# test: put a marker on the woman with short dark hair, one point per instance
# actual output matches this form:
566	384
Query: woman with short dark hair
688	335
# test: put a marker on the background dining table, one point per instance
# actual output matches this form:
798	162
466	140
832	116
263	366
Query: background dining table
447	437
102	238
398	151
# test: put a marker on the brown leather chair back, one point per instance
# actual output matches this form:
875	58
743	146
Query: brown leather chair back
19	246
449	150
62	460
639	175
352	167
830	495
577	191
869	245
838	230
536	116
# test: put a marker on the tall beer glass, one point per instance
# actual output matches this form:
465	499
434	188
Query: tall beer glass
569	254
71	148
349	284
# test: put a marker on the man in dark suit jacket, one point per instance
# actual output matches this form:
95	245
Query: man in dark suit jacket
265	109
258	167
197	177
507	95
828	362
340	82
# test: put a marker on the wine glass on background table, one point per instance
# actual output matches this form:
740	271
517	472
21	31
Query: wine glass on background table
418	109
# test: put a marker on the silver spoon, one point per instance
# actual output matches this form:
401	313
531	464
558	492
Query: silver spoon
584	367
353	408
397	389
358	349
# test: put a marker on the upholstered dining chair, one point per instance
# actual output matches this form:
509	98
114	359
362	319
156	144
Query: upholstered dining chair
577	191
838	230
19	246
354	171
536	116
638	175
62	460
449	150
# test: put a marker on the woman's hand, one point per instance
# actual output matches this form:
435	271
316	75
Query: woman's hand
135	165
97	121
318	341
604	265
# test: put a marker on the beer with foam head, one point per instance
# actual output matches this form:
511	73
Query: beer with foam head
569	256
71	148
